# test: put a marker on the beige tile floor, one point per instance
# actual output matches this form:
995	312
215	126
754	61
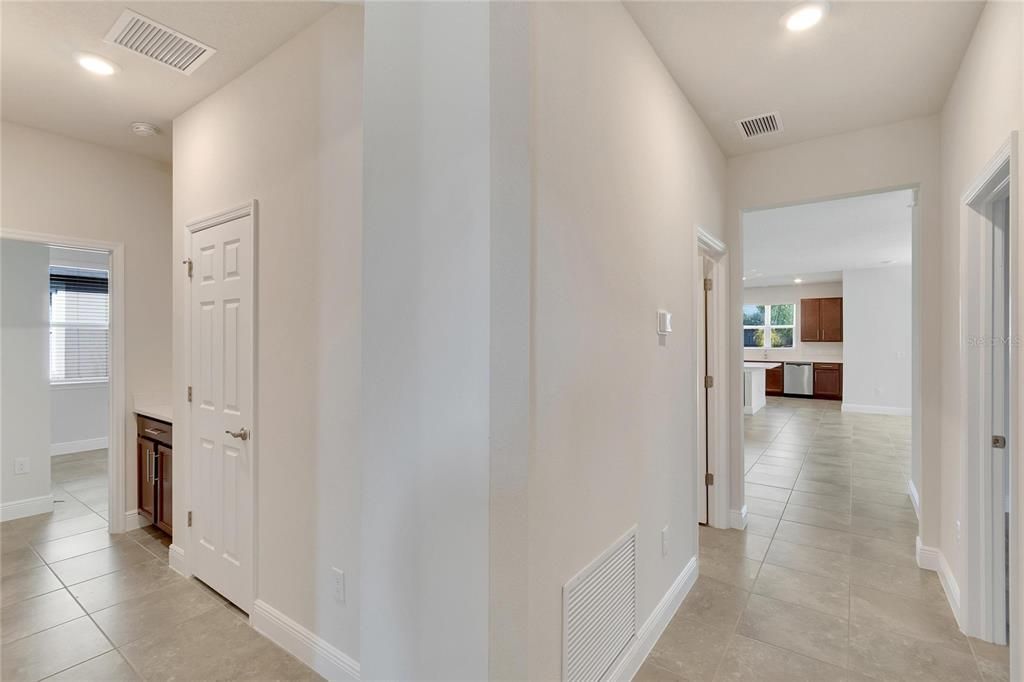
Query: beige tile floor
77	603
823	585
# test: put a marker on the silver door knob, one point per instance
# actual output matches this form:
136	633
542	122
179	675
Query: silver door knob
241	434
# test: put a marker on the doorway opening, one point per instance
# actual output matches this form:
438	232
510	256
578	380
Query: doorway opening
988	454
712	450
63	380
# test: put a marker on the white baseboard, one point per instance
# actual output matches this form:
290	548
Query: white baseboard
133	519
73	446
30	506
176	560
635	655
312	650
914	499
932	559
877	409
738	518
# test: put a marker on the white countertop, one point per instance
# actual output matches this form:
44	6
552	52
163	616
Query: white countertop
155	411
749	364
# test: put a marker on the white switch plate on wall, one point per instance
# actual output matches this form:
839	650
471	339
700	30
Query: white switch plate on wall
339	584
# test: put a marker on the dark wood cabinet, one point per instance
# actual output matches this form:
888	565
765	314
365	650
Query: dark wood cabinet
810	319
155	459
828	380
147	493
774	380
821	319
164	515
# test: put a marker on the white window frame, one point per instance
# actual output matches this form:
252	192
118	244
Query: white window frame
767	327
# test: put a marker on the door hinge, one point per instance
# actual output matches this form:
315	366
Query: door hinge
709	478
188	262
190	519
999	442
709	381
189	394
707	284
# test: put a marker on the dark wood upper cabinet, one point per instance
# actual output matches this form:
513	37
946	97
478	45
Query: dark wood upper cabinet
821	319
810	319
831	319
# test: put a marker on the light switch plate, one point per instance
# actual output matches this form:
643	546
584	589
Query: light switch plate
664	322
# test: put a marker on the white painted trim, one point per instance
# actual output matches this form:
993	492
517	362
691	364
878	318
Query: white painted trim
932	559
314	651
72	446
120	420
649	633
710	245
30	506
176	560
915	499
133	519
738	518
877	409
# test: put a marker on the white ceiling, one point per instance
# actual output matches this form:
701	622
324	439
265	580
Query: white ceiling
816	242
43	87
866	64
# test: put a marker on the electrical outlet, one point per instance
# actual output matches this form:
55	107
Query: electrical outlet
664	542
21	465
956	530
339	584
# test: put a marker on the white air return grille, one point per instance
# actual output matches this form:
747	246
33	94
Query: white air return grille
599	612
160	43
756	126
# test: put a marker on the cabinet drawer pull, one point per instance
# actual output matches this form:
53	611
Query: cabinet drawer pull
154	432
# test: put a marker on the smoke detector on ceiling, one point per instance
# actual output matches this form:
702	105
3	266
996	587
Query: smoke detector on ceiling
760	125
143	129
160	43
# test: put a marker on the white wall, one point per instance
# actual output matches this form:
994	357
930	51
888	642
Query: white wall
983	106
79	413
623	171
60	186
25	370
877	343
882	158
288	133
426	341
818	351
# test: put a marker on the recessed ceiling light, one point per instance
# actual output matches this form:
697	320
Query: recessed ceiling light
803	17
96	64
797	281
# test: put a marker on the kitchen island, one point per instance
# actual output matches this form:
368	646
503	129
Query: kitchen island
753	384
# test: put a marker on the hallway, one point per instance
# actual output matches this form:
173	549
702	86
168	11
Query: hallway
823	584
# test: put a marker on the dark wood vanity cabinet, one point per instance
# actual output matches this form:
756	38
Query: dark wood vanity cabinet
828	380
155	463
821	319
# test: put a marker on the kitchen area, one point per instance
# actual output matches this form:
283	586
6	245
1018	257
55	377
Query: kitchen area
793	343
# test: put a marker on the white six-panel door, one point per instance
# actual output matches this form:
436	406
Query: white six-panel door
222	467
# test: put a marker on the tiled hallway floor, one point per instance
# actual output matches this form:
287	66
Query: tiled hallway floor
823	585
77	603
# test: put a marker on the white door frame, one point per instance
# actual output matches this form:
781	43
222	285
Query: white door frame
119	419
980	605
709	246
183	427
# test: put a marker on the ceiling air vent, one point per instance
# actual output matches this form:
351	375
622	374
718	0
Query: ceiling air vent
158	42
756	126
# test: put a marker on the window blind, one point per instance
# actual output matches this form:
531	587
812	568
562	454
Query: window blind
79	325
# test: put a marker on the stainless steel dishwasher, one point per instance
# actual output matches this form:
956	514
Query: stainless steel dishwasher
798	378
